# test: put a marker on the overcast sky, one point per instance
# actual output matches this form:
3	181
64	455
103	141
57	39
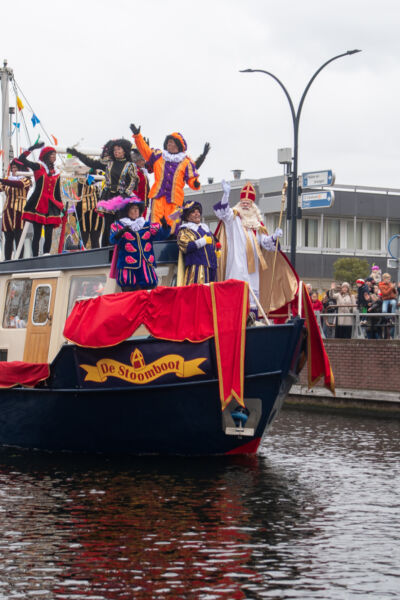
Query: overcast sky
91	67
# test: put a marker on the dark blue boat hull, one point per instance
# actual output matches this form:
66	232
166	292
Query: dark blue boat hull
183	417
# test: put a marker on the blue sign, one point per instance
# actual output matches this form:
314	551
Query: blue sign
317	200
394	246
317	178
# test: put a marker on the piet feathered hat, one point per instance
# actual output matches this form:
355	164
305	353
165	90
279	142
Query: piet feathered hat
188	207
178	139
46	150
248	192
119	203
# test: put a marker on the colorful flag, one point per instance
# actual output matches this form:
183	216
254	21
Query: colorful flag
17	125
89	179
34	120
55	140
19	103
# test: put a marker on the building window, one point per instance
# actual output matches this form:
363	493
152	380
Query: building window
331	233
85	287
17	303
310	233
212	225
373	235
394	229
274	224
350	235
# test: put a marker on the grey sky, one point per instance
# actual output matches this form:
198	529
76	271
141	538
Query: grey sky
89	68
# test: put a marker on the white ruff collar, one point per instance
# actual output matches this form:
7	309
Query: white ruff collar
195	226
133	225
175	158
56	171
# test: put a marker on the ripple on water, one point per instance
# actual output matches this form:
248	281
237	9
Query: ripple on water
316	515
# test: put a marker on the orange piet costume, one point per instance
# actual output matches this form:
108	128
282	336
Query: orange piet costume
171	173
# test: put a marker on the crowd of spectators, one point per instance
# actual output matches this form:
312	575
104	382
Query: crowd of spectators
375	303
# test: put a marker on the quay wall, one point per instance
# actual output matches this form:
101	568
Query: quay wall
363	364
367	375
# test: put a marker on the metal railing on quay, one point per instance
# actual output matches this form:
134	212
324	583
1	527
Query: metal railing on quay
369	325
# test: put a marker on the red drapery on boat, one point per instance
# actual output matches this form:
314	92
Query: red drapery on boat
193	313
318	364
22	373
317	358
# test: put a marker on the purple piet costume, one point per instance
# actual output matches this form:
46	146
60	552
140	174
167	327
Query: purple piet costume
200	258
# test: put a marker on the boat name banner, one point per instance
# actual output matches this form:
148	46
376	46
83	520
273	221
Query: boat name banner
142	364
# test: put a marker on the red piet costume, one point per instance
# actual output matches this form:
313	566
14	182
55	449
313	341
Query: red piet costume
45	204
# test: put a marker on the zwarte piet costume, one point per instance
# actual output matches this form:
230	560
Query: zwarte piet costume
90	221
171	172
15	189
45	204
198	246
135	265
43	209
120	176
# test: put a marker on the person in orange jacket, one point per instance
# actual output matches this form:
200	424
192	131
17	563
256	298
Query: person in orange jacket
172	170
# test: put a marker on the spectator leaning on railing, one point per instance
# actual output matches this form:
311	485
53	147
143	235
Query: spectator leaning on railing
389	293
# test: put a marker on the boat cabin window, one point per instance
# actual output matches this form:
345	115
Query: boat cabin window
85	287
17	303
41	306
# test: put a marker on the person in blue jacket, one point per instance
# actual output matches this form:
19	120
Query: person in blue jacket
134	237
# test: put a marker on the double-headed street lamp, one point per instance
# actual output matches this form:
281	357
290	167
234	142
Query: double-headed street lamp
296	120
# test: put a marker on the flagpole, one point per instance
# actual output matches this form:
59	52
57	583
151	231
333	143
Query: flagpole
6	74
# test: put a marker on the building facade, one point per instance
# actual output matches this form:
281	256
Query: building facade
359	224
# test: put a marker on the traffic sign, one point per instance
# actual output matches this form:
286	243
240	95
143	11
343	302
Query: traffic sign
394	246
317	178
317	200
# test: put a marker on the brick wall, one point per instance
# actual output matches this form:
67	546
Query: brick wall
363	364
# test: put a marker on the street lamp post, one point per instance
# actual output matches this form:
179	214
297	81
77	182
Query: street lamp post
296	121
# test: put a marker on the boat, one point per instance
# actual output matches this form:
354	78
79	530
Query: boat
166	414
76	377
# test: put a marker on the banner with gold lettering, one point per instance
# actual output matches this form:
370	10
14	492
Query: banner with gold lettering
143	363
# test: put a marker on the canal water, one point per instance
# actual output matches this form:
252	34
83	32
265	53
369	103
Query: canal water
315	515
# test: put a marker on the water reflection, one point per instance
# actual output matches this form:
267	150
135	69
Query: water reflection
297	521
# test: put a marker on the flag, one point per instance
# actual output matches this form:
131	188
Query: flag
19	103
89	179
34	120
55	140
17	125
318	362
